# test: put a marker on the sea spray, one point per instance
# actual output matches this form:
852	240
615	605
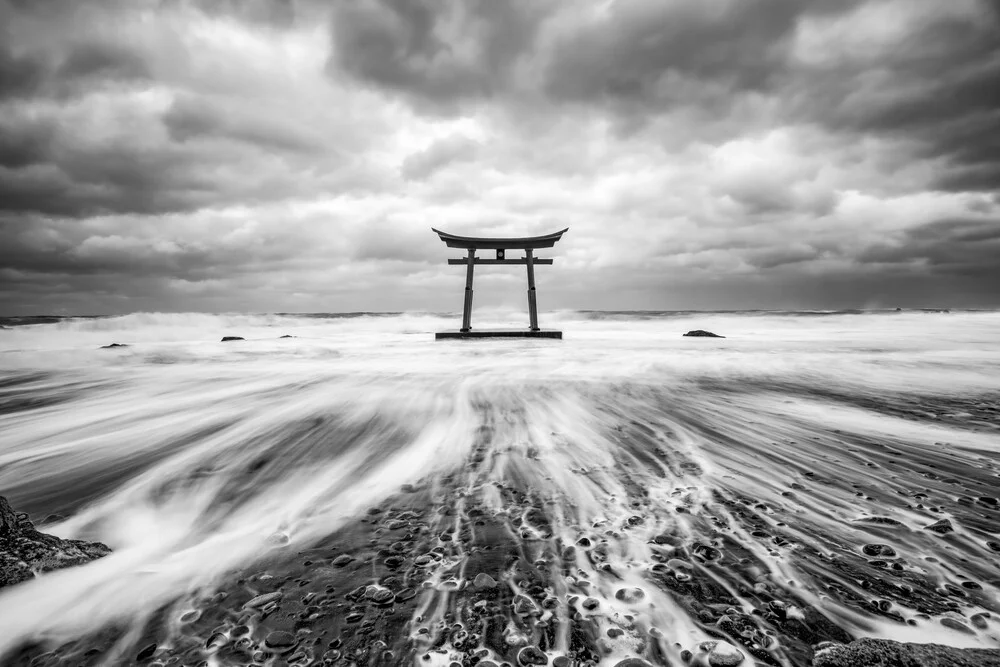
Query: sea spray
605	482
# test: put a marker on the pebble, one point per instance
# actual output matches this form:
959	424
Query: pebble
532	655
629	595
278	539
721	654
342	560
632	662
940	527
280	641
881	521
878	550
262	600
957	625
146	653
190	616
484	580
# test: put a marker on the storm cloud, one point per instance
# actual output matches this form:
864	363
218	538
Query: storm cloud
283	156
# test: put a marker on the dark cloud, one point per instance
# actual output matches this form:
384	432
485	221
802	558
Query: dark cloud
445	151
102	60
20	75
771	147
435	51
954	247
938	88
192	117
650	53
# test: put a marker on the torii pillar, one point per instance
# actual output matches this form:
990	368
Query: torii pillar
501	245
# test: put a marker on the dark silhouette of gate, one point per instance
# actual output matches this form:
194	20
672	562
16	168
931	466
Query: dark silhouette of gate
528	244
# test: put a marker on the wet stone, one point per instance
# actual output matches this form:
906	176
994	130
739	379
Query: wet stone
880	521
940	527
721	654
631	662
878	550
957	625
629	595
190	616
146	653
532	655
483	581
262	600
342	560
590	604
280	641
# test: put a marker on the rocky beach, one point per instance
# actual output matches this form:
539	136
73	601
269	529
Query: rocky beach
814	488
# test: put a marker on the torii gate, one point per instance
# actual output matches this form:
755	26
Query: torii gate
528	244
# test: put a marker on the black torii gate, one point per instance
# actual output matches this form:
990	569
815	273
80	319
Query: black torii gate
528	244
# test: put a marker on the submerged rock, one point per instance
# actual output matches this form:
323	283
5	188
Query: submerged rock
226	339
107	347
25	552
483	581
701	333
715	653
940	527
887	653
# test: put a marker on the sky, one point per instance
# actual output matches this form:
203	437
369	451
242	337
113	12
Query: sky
292	156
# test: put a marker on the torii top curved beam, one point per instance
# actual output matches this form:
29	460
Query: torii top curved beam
487	243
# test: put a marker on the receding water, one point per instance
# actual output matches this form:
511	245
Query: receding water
630	491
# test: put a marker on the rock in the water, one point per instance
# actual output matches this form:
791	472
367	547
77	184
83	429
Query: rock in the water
720	653
632	662
25	551
629	595
887	653
107	347
940	527
287	336
226	339
484	580
262	600
532	655
280	641
701	333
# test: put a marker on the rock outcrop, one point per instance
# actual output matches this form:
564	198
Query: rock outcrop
226	339
887	653
701	333
26	552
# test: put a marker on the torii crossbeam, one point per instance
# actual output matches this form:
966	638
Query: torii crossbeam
501	245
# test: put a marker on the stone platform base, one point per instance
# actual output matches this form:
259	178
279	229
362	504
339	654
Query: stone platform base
514	333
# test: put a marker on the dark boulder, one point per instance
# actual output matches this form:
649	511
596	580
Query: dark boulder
287	336
24	551
106	347
887	653
226	339
701	333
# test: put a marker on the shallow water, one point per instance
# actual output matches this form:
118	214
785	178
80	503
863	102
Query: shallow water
688	486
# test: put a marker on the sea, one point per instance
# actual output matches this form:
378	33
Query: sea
625	493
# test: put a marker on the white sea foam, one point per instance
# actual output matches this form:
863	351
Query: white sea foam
186	454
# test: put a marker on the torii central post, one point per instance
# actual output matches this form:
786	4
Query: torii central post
501	246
